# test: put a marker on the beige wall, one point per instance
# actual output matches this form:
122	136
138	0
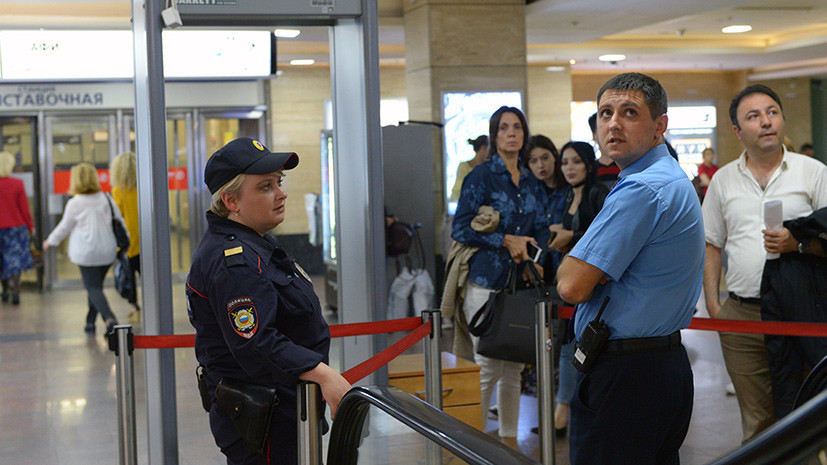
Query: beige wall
549	103
716	86
297	99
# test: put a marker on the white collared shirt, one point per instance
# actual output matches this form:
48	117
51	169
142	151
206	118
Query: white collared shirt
733	212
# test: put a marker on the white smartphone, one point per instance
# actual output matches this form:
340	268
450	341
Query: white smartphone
534	252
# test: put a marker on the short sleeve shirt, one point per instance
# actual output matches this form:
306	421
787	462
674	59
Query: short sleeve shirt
648	239
734	213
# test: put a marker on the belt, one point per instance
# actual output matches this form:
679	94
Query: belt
644	344
745	300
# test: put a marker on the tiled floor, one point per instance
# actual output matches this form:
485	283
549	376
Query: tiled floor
57	394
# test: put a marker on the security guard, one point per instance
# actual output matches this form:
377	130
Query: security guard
256	317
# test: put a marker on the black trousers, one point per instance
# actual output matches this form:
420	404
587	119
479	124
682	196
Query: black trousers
632	409
93	282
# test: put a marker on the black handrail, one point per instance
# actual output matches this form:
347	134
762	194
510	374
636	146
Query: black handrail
816	382
469	444
799	435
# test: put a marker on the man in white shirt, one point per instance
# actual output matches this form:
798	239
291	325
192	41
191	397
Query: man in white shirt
733	218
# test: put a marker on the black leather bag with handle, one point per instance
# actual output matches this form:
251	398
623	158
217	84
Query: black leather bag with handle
124	277
121	236
505	325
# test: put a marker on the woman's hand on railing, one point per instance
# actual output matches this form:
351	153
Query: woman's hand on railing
333	385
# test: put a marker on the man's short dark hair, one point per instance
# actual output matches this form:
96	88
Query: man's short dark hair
593	122
753	89
653	92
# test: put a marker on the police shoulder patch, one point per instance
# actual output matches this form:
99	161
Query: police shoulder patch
243	316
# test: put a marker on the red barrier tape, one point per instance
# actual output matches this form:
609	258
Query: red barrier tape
780	328
382	358
164	342
350	329
375	327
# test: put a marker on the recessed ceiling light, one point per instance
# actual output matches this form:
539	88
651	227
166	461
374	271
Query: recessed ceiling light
572	61
612	57
302	62
555	68
287	33
736	29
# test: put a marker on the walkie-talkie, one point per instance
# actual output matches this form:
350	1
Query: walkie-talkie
592	342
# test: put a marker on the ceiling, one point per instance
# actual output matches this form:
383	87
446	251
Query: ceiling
789	37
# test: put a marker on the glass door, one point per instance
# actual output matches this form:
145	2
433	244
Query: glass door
214	130
69	141
179	146
17	137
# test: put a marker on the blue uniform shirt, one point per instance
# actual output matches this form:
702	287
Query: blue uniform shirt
649	239
522	213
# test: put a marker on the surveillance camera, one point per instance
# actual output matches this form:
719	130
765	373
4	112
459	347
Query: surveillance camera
171	17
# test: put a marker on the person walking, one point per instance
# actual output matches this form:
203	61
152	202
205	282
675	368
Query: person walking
16	226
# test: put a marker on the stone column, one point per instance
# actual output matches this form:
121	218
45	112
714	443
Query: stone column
461	46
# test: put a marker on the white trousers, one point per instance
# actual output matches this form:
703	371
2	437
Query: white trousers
505	375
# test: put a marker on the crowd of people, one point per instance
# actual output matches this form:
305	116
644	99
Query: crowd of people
579	208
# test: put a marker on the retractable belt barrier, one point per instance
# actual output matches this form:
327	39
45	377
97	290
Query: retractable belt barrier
779	328
418	331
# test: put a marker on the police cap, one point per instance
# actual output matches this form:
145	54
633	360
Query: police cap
244	155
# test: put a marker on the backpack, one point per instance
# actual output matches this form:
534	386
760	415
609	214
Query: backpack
399	237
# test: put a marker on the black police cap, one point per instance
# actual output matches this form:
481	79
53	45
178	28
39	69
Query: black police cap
244	155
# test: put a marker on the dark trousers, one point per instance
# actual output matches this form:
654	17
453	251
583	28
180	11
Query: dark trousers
135	265
93	282
632	409
282	443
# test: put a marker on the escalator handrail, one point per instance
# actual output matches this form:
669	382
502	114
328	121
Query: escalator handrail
799	435
815	382
464	441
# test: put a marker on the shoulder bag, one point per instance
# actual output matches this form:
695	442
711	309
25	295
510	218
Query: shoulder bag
124	277
505	325
121	236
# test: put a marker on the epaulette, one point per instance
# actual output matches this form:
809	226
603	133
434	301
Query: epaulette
232	252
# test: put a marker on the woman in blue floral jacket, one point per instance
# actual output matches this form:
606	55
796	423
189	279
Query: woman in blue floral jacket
505	184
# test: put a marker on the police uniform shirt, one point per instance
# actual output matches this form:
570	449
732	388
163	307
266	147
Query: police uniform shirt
255	314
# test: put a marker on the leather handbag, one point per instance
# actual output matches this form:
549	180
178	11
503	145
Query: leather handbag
250	408
121	236
505	325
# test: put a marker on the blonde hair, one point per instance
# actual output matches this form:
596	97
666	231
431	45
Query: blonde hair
7	163
84	179
233	187
123	171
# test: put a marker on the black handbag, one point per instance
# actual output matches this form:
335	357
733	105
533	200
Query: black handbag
124	277
506	324
121	236
250	408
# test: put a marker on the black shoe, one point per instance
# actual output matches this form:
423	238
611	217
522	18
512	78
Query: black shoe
90	328
110	326
5	297
15	298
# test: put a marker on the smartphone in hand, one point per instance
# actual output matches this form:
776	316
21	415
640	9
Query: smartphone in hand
534	252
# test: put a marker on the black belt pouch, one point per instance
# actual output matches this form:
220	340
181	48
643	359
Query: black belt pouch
250	408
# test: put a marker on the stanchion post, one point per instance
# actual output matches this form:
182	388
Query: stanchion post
309	423
121	342
433	376
433	359
546	314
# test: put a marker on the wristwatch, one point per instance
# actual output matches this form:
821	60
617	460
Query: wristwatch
803	247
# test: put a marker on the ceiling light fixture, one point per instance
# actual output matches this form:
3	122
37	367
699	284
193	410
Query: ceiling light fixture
736	29
555	68
572	61
287	33
302	62
612	57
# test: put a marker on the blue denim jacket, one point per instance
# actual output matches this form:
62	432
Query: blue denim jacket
523	212
556	208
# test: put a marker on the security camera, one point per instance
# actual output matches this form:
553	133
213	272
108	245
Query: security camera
171	17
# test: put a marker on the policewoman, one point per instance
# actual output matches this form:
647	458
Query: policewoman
258	323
